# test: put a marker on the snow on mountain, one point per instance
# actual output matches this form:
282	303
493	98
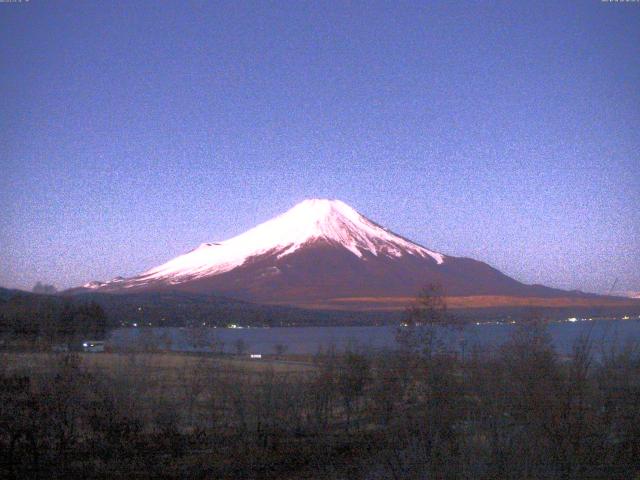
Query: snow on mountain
311	220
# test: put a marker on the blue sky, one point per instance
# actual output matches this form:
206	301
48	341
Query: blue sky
504	131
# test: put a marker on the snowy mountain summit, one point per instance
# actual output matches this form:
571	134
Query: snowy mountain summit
332	221
310	221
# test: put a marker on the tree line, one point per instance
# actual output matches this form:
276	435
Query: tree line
45	320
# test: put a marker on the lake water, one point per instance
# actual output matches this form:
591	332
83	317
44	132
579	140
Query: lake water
310	340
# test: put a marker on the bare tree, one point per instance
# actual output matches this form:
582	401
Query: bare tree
216	345
280	349
418	333
353	376
240	346
147	340
198	338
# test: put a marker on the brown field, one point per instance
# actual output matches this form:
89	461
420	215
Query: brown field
151	363
475	301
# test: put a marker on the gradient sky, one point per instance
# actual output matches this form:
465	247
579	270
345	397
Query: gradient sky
505	131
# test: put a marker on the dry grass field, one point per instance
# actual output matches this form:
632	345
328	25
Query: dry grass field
465	302
151	363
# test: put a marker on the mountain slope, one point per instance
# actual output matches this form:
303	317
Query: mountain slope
311	221
317	252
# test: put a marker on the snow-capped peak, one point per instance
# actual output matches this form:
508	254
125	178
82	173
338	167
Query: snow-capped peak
337	222
331	221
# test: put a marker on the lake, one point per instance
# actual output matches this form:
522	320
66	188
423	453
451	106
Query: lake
310	340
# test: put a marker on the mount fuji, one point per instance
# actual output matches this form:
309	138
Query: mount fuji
323	253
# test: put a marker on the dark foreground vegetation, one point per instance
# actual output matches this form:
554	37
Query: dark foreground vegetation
518	412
